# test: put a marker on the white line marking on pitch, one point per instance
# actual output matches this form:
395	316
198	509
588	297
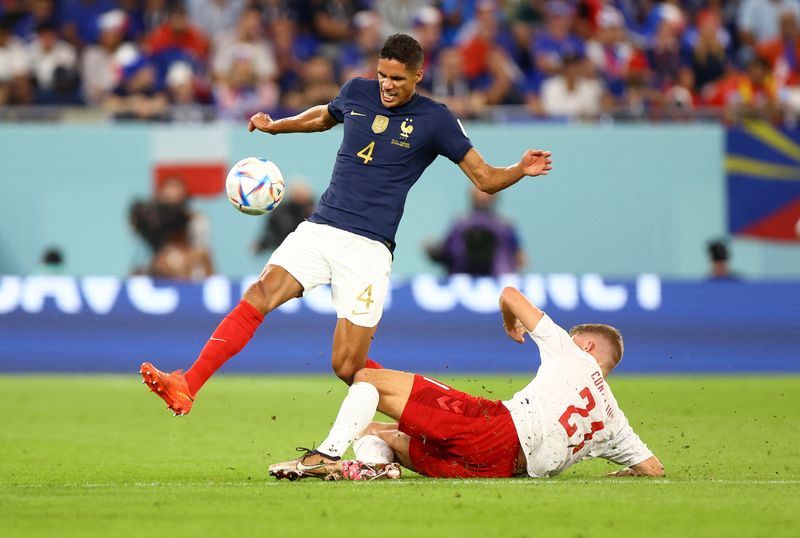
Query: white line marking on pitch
657	482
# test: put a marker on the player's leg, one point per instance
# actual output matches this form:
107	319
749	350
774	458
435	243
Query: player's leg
450	433
372	444
360	269
274	287
297	265
370	391
351	344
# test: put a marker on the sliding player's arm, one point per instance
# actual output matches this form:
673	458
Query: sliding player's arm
313	120
520	316
649	467
491	179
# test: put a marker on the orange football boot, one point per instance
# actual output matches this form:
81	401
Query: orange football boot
171	388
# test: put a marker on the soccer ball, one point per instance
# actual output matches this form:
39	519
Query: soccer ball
255	186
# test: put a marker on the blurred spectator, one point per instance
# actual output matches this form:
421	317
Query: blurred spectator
518	43
719	259
360	57
241	92
15	68
215	17
455	14
573	94
178	34
707	43
154	14
753	94
138	96
52	262
41	11
317	85
480	243
286	217
610	51
102	63
182	92
244	40
489	68
556	40
54	64
292	48
330	21
79	20
759	21
428	31
397	17
135	27
447	82
681	98
176	235
664	52
783	53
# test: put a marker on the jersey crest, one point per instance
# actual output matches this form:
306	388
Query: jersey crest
379	124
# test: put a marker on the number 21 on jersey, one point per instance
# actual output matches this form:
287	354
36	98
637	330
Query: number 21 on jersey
570	428
366	153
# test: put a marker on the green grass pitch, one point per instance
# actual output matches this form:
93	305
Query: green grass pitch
99	456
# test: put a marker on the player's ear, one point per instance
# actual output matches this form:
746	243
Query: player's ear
589	345
420	74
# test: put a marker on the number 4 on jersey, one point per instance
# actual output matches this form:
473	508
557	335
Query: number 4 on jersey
366	153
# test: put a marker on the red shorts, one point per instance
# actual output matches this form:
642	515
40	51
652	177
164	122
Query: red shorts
457	435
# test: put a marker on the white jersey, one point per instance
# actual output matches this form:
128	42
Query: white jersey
567	413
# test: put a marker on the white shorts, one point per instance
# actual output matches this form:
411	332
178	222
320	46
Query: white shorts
356	267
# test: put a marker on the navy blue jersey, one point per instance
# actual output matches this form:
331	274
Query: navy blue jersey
383	153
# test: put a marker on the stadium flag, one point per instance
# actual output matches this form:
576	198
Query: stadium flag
763	175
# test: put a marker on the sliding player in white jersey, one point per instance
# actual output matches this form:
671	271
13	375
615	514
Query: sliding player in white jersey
565	414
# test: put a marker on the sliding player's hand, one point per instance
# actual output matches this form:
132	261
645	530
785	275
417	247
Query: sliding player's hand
517	332
260	121
536	162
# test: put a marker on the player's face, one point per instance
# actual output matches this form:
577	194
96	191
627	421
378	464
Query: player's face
398	83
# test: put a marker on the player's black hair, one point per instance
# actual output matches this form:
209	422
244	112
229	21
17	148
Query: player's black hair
403	48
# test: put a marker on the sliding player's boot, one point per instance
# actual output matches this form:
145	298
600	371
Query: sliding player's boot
358	470
171	388
312	464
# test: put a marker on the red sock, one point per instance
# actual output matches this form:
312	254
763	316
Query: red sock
228	339
372	364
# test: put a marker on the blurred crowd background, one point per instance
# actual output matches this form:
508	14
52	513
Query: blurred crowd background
503	60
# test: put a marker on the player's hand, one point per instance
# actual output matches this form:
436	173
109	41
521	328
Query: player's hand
260	121
536	162
517	332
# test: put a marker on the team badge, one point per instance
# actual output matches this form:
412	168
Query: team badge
379	124
406	128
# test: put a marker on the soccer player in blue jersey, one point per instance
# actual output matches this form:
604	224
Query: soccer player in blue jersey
391	135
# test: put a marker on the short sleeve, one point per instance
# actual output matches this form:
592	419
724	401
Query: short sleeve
553	341
451	140
625	448
336	106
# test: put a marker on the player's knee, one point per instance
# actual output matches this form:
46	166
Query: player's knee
258	295
265	294
362	375
346	364
346	372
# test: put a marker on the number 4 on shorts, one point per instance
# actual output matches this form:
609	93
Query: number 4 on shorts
366	298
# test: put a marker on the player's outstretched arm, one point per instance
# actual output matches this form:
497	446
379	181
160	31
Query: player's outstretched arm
490	179
649	467
313	120
520	316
